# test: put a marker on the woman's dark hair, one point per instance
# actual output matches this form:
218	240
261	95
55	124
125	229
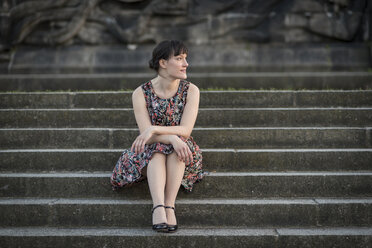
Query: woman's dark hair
164	50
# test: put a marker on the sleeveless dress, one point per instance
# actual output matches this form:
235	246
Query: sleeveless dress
162	112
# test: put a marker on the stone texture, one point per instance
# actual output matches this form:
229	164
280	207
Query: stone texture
222	160
228	117
257	138
219	237
48	27
192	213
136	22
227	81
251	185
208	99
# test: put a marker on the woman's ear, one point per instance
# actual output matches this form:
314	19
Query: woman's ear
163	63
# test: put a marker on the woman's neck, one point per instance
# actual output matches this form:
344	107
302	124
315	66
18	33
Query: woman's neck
165	84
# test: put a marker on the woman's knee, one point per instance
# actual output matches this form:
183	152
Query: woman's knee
158	158
173	159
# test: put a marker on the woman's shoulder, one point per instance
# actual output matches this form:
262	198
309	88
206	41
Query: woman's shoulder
139	91
192	88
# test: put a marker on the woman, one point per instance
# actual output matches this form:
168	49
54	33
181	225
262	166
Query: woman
165	109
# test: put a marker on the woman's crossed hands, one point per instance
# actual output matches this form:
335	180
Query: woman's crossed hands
180	147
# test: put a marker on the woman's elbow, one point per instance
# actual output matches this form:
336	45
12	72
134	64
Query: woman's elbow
186	134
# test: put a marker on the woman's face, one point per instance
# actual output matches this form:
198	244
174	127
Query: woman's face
176	66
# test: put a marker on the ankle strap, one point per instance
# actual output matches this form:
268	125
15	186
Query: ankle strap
156	207
169	207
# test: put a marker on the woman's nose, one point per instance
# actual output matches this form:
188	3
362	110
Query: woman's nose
185	63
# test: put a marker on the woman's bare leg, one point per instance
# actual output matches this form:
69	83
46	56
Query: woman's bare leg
175	171
156	176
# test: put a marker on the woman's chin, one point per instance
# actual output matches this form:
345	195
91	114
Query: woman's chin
183	76
180	76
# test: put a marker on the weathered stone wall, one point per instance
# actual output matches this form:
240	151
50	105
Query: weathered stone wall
267	35
97	22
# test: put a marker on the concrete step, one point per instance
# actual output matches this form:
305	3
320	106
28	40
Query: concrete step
43	237
250	184
237	80
208	99
222	160
105	212
213	117
49	138
313	56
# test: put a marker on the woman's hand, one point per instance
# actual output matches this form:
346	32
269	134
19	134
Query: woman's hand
139	143
182	149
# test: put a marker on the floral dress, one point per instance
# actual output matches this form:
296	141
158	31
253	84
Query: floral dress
163	112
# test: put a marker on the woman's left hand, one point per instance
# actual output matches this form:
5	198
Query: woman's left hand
139	143
182	149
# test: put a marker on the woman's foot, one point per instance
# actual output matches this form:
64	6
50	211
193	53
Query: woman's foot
171	218
159	219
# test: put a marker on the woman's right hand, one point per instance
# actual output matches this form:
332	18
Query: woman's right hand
182	149
139	143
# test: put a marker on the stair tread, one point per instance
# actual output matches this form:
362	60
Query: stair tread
208	99
221	117
222	91
215	231
203	150
213	174
196	128
214	201
200	109
190	74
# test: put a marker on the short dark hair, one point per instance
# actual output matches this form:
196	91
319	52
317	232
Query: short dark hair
164	50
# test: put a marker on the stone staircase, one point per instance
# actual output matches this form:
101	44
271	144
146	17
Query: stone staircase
287	168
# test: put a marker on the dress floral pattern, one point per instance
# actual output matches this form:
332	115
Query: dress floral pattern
163	112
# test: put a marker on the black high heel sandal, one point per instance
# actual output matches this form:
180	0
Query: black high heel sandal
172	228
161	227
